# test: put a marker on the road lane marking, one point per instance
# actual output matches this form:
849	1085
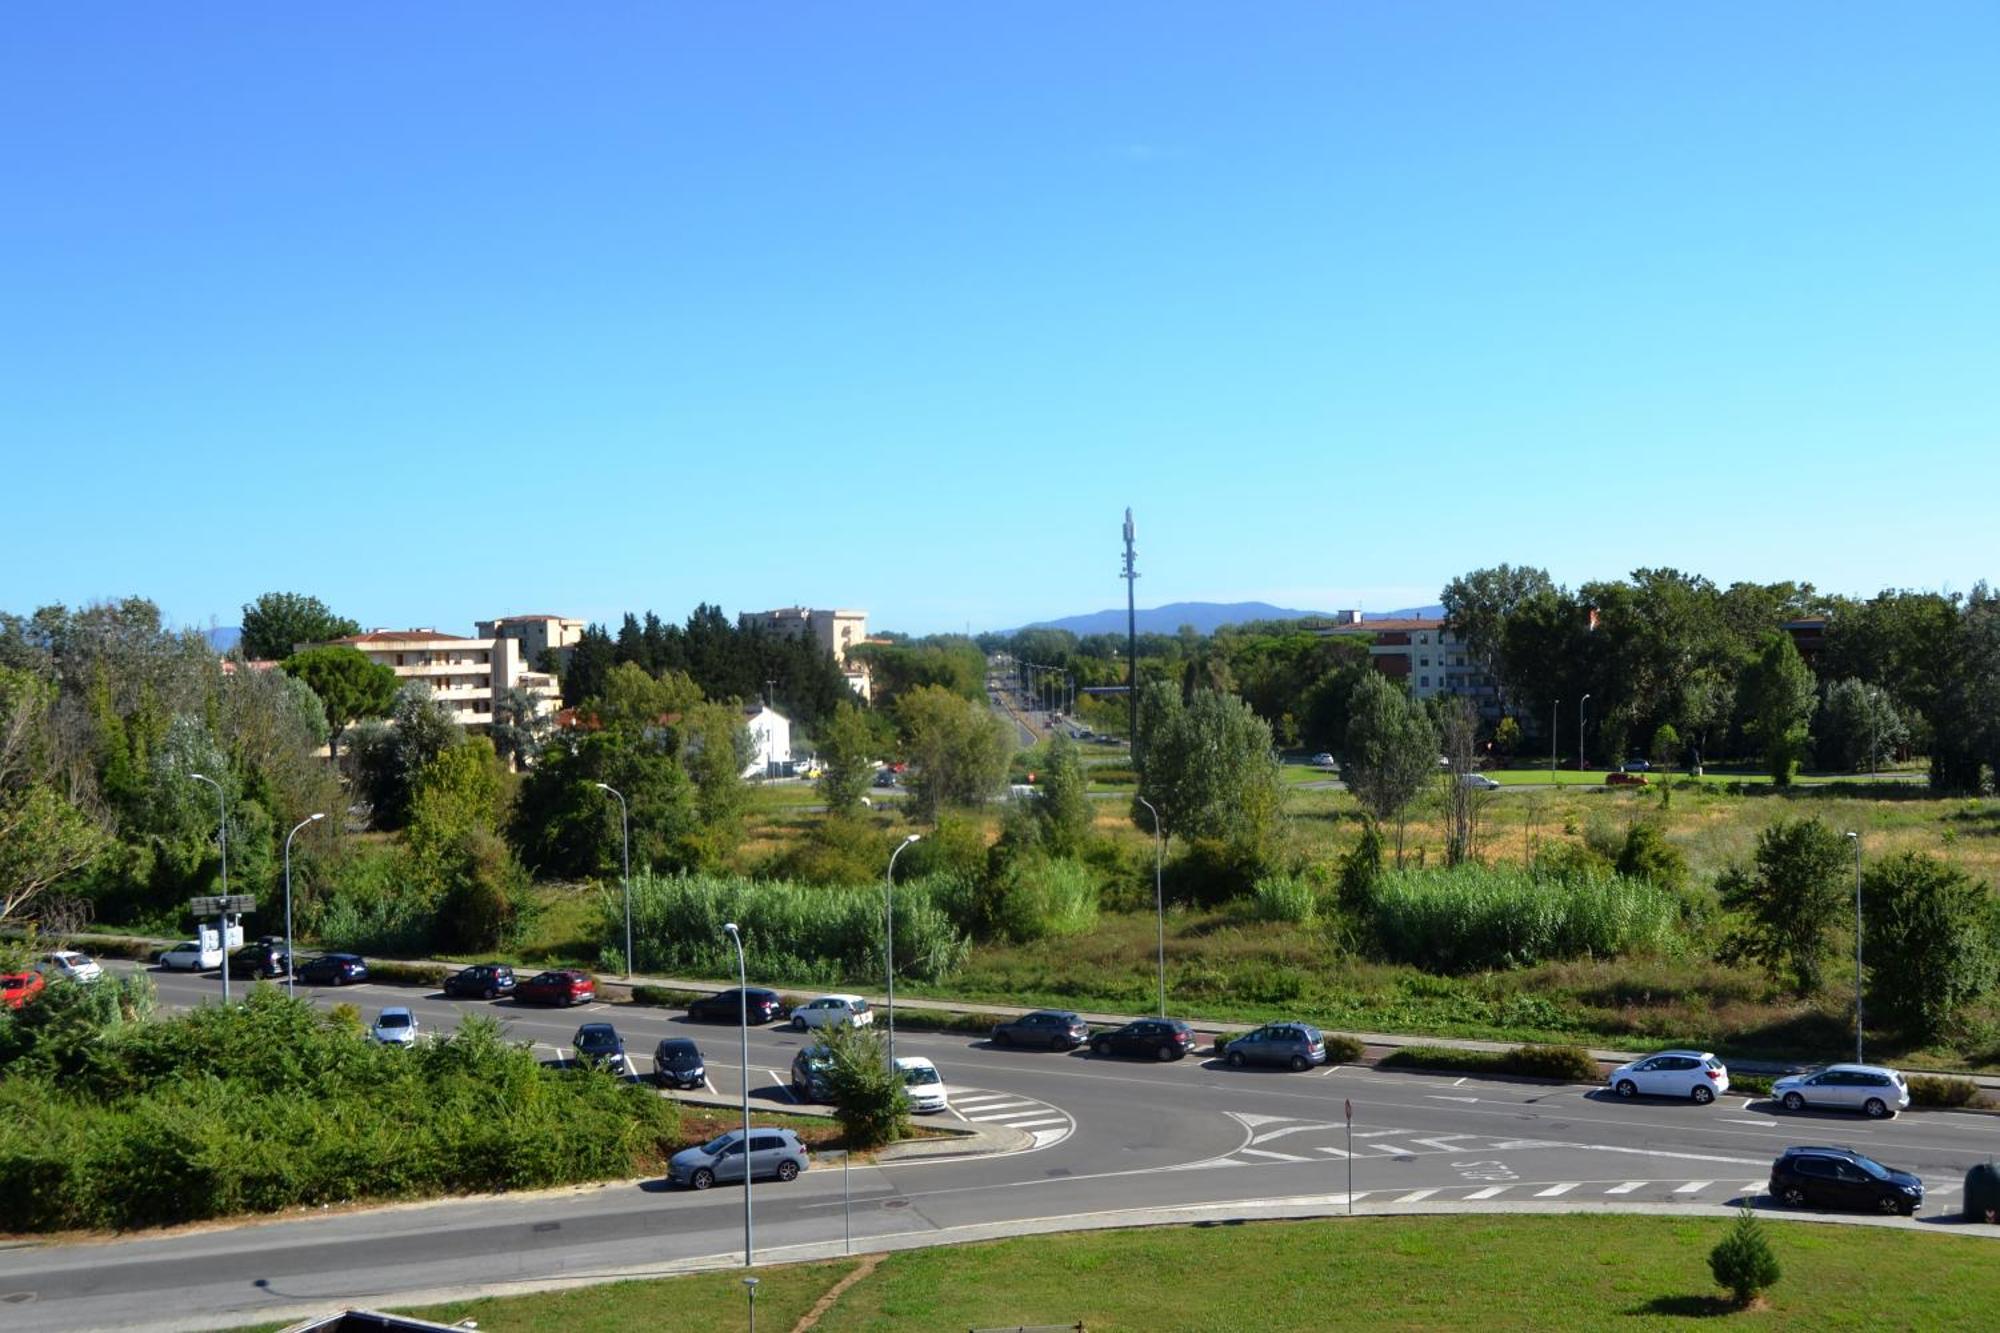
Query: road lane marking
1270	1134
1004	1106
1693	1187
1032	1122
984	1097
1628	1187
1761	1124
1332	1152
1414	1196
1489	1191
1443	1097
1458	1083
1274	1156
1394	1149
1555	1190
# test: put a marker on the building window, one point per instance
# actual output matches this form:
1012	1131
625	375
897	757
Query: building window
1423	661
1424	681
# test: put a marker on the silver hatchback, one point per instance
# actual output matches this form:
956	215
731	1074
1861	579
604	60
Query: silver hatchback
1294	1046
773	1152
1872	1089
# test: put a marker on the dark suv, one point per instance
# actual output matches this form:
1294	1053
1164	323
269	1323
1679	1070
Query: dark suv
265	958
1057	1029
485	981
1843	1178
333	969
728	1006
1161	1038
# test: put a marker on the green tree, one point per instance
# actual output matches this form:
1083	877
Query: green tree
958	750
44	837
388	761
564	826
1390	754
639	703
1507	738
1857	725
1777	693
1790	904
1211	773
278	622
1647	855
520	727
1930	942
846	766
1477	605
349	687
1666	746
1742	1260
715	749
1063	804
868	1096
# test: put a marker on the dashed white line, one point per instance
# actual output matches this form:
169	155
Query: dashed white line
1693	1187
1628	1187
1414	1196
1274	1156
1761	1124
1002	1106
1333	1152
1489	1191
1554	1190
1035	1122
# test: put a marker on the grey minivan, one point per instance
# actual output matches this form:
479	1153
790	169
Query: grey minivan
1295	1046
773	1152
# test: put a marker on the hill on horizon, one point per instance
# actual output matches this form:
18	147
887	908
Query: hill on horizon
1206	617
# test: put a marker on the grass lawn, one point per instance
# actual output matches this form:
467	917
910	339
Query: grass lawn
1419	1272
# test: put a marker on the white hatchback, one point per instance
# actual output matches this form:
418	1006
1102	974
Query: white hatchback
70	966
395	1027
1693	1075
922	1084
833	1011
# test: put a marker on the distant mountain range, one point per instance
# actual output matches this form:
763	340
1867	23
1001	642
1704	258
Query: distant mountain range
1206	617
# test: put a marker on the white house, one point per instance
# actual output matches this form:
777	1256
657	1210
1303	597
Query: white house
771	733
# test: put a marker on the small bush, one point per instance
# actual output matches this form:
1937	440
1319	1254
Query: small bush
1742	1261
1929	1090
1752	1085
1285	898
943	1020
1648	856
1568	1063
1342	1050
1036	897
409	974
1572	1064
868	1096
663	996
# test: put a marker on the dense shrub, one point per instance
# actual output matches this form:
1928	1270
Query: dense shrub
868	1096
1571	1064
1287	898
1473	916
1930	1090
268	1105
793	932
1343	1050
1036	897
1210	871
1648	856
410	974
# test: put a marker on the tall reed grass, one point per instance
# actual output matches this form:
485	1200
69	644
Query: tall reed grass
1474	916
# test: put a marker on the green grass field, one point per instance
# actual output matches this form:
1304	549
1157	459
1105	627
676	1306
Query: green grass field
1525	1273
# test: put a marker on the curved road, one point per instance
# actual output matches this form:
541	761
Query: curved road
1123	1135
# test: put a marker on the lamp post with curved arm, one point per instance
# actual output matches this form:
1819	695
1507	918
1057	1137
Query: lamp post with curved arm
1579	732
291	963
743	994
1159	897
889	940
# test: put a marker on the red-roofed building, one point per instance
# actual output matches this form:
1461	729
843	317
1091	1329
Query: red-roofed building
465	675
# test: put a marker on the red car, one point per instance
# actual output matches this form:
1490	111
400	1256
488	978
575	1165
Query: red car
559	987
17	988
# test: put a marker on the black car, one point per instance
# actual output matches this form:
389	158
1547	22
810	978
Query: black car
1843	1178
333	969
1160	1038
677	1063
485	981
1056	1029
812	1075
727	1006
265	958
599	1044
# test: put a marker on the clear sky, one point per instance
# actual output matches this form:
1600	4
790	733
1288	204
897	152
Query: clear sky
442	311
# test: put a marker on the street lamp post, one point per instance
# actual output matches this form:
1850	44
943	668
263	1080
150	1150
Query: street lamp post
291	969
1855	838
743	994
750	1285
889	939
1555	713
1579	732
625	824
1159	897
222	835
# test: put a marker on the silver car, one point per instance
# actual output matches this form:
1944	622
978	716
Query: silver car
773	1152
1872	1089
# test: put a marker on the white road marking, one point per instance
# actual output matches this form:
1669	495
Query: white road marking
1330	1069
1746	1103
1442	1097
1016	1104
1393	1149
1693	1187
1044	1137
1761	1124
1031	1123
1554	1190
1443	1142
1628	1187
710	1086
1378	1133
1274	1156
1458	1083
1488	1192
984	1098
1333	1152
1414	1196
1270	1134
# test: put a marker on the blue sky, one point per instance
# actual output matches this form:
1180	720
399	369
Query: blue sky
445	311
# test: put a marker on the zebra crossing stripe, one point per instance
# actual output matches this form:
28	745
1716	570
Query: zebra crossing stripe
1693	1187
1415	1196
1554	1190
1274	1156
1333	1152
1042	1122
1489	1191
1628	1187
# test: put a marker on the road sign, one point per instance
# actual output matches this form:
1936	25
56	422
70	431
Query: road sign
216	905
1350	1110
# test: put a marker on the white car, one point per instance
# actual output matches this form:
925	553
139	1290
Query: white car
1478	781
188	956
833	1011
1878	1091
922	1084
1695	1076
1321	760
69	965
395	1027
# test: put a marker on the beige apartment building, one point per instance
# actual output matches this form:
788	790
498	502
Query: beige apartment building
535	635
465	675
836	631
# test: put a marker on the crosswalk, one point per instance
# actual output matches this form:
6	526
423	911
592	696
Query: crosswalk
1046	1123
1577	1191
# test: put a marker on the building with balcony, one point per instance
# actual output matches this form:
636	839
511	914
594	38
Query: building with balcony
536	635
1423	653
465	675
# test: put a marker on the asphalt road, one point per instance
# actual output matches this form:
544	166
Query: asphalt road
1111	1135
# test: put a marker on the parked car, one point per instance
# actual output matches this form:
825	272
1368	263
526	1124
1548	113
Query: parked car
922	1084
1843	1178
773	1152
395	1027
333	969
17	988
1625	779
1637	766
727	1006
1478	782
677	1063
1296	1046
1872	1089
599	1045
830	1010
1695	1075
886	778
1161	1038
1322	760
485	981
812	1069
69	965
188	956
562	986
265	958
1057	1029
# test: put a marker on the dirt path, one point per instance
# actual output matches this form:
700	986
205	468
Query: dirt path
826	1302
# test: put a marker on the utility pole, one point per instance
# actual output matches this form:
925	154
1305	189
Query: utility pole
1131	576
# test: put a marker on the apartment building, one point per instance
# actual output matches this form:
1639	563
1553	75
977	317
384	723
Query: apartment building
536	635
836	631
1422	652
465	675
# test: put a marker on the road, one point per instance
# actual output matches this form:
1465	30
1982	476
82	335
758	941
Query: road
1110	1136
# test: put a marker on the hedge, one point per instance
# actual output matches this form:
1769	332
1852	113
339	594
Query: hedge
1571	1064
